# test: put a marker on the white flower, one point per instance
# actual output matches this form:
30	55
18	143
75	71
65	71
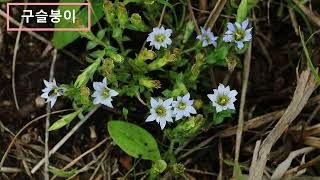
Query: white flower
223	98
51	92
160	37
183	107
238	33
207	38
160	111
103	94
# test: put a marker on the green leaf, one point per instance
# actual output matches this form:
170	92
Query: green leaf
62	173
62	38
242	11
91	45
217	55
219	117
134	140
239	175
65	120
87	74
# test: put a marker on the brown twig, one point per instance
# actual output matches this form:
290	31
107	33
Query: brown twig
193	17
215	14
247	62
65	138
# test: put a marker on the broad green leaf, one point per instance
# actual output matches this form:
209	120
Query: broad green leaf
65	120
61	38
134	140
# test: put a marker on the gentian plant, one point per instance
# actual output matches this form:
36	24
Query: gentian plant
167	75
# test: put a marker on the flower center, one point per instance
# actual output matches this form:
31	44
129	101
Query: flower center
207	38
160	38
105	93
223	100
55	91
239	35
182	105
161	111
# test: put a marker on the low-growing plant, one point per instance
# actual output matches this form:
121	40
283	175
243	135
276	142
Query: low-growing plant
167	75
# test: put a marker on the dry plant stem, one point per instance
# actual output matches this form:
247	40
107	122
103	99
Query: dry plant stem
247	62
10	170
315	19
82	155
48	109
65	138
14	60
294	21
255	156
306	84
21	130
87	166
193	17
220	177
303	166
39	37
215	14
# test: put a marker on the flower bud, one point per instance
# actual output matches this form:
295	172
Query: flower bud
137	22
116	57
197	103
178	169
232	63
157	168
109	11
148	83
160	62
107	67
186	129
188	31
122	15
85	91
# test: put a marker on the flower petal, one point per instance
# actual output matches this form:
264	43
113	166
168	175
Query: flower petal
240	44
230	27
245	24
150	118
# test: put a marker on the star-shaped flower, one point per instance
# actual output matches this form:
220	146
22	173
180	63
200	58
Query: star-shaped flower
51	92
183	107
222	98
103	94
207	38
238	33
160	111
160	37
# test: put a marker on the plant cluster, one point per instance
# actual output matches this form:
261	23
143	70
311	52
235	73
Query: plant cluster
166	76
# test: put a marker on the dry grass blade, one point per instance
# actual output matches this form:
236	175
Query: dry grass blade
305	86
215	13
284	166
313	17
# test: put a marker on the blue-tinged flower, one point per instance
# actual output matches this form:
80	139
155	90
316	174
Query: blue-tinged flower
51	92
207	38
183	107
238	33
223	98
160	111
160	37
103	94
